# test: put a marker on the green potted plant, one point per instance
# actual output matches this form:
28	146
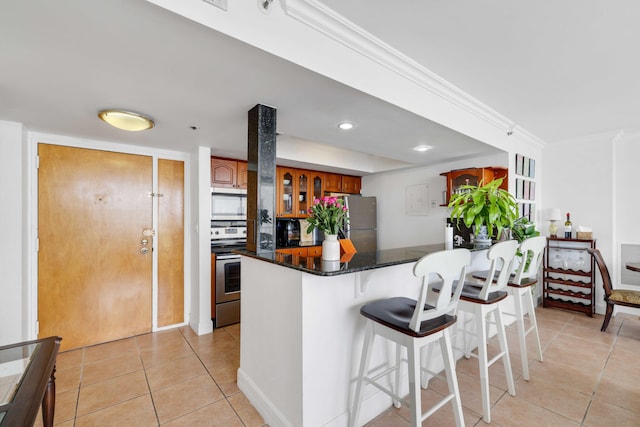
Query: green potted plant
522	230
485	208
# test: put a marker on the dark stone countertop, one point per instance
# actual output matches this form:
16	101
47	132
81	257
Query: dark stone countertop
359	261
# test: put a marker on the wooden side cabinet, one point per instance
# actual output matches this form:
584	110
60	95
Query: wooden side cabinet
474	176
569	275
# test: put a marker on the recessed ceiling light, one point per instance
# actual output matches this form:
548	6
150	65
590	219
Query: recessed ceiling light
126	120
423	148
345	125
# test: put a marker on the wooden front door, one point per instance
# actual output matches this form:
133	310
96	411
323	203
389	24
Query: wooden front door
94	281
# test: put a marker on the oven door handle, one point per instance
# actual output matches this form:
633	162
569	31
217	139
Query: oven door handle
227	256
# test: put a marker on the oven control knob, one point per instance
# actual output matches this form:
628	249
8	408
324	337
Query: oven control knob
216	232
244	231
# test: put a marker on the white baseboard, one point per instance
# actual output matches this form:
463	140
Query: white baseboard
261	402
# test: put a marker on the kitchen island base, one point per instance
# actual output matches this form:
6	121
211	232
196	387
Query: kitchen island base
302	335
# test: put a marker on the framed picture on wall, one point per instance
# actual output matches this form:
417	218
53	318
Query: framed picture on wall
518	188
532	168
519	161
417	199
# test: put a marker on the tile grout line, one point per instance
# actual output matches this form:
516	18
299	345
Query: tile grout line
606	362
146	378
224	396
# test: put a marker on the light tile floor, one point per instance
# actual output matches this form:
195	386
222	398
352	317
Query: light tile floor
176	378
168	378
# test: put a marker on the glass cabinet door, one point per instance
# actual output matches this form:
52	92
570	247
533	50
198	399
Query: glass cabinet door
287	194
318	187
466	179
303	197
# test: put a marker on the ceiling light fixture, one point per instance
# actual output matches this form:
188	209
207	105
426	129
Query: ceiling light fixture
126	120
346	125
423	148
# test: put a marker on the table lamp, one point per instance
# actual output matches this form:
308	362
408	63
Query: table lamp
553	215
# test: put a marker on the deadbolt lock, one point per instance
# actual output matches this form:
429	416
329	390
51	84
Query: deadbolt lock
144	251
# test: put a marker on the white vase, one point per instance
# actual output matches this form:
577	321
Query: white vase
330	247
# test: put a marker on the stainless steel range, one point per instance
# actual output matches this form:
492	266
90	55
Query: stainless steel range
225	237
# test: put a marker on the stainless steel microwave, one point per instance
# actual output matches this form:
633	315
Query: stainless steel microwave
228	204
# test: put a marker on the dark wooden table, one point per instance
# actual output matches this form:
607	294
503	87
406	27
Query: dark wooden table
633	266
28	381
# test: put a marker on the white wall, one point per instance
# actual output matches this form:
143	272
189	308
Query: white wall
578	178
12	327
200	315
395	227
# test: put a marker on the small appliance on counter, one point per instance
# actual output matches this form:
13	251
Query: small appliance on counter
315	237
287	232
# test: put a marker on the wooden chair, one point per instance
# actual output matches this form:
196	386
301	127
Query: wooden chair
624	297
415	324
519	287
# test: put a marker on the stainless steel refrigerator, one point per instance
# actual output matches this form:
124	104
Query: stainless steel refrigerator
362	226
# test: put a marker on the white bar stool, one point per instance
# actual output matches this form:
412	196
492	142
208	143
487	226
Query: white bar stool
482	300
413	325
520	287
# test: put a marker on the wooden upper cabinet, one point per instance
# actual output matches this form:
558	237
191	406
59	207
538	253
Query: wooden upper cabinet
286	188
242	175
228	173
351	184
474	176
294	192
336	183
333	182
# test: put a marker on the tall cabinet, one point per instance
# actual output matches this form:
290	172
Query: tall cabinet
569	275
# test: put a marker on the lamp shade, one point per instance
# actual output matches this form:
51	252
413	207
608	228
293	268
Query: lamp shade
554	214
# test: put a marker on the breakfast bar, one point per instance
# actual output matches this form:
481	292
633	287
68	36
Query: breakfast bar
301	331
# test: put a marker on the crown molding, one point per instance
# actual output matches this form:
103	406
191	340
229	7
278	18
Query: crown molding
325	20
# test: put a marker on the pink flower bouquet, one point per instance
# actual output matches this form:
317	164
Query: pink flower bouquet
327	214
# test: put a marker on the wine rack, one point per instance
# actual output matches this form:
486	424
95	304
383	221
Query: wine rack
569	275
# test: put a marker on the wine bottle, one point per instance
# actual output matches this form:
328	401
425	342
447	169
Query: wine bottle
567	227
